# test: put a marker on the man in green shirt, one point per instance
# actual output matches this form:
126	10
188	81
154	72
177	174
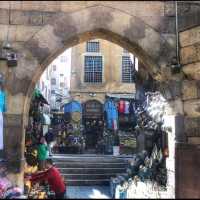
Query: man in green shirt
42	153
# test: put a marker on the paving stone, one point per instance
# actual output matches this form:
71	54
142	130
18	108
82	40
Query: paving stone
84	192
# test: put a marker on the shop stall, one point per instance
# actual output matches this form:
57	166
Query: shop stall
38	125
93	124
119	116
69	138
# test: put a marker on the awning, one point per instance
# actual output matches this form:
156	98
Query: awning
121	96
46	119
73	106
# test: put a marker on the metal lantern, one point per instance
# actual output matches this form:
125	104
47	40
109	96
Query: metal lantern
11	59
7	53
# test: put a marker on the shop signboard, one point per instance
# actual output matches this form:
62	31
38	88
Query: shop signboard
93	109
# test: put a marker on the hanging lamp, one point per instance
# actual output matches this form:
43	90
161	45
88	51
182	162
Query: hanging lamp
6	52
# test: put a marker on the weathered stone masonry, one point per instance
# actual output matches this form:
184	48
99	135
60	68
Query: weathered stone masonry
40	31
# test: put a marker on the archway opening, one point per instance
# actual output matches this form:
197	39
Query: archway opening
146	123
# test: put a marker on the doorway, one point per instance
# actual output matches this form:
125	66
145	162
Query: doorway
93	123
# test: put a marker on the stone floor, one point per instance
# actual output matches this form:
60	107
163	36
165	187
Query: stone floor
88	192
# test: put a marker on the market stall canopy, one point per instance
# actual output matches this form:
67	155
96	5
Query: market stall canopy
46	119
73	106
121	96
37	95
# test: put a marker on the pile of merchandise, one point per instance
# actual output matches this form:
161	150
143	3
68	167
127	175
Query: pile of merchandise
34	132
7	189
128	143
69	139
147	168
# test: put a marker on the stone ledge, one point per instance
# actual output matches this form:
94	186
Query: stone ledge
12	120
192	70
190	37
190	54
192	108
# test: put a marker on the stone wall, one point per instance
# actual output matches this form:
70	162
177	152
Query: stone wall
40	31
190	59
187	151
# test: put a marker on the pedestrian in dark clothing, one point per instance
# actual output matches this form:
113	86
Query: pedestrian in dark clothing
49	139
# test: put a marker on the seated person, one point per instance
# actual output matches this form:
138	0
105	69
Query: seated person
53	177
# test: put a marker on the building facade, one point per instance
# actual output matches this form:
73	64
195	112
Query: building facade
54	83
100	68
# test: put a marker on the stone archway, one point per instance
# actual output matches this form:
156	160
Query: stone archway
65	31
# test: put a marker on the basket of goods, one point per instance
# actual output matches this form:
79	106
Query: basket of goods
76	116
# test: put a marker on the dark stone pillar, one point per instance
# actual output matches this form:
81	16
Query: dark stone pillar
187	171
14	142
179	129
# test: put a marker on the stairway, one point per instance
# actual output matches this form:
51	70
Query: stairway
89	170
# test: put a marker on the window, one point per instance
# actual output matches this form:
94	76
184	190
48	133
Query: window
93	69
53	91
46	92
54	67
63	59
53	81
61	75
127	69
42	85
92	46
61	84
125	51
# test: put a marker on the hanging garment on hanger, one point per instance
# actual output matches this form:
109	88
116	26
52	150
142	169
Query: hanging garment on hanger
121	106
111	113
2	109
1	130
2	101
126	110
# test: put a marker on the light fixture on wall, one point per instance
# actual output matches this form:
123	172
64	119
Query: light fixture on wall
6	51
92	94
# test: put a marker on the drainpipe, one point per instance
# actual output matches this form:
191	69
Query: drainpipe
177	36
175	64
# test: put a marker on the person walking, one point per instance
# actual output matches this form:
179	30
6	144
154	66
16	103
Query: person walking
42	153
54	179
50	138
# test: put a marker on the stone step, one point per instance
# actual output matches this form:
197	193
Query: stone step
88	176
103	182
89	165
89	160
91	170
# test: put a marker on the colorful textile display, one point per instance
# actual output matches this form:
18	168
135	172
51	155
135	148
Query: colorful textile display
126	110
2	109
3	106
111	114
121	107
4	185
1	130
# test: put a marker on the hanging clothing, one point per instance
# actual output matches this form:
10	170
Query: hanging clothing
126	110
3	106
111	114
121	106
114	124
1	130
